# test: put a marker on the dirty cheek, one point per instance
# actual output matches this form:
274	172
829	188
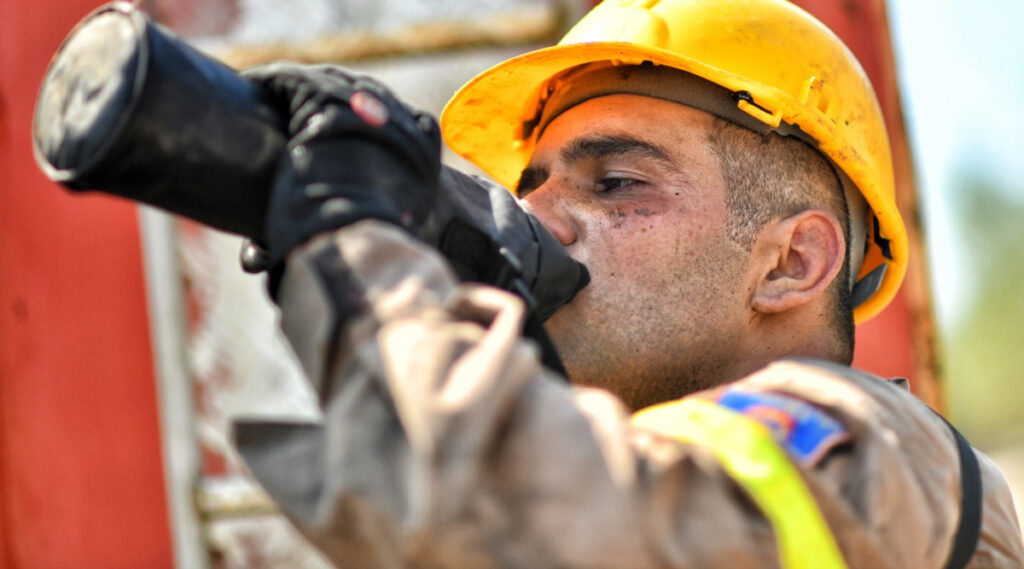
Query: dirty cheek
632	217
631	239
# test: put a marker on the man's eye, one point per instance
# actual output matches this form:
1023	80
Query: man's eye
612	184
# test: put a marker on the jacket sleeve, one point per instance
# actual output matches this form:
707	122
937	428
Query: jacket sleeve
444	443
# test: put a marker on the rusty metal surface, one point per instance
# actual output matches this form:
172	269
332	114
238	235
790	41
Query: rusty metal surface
233	496
258	22
427	38
260	542
247	32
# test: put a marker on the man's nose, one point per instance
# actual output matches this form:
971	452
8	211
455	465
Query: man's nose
549	207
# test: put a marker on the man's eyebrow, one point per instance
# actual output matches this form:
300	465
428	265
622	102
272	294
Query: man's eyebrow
531	178
591	147
601	146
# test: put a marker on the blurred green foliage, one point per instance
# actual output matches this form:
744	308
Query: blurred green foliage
983	345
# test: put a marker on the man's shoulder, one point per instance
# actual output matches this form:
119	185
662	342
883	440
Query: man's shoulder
878	414
833	384
890	430
817	367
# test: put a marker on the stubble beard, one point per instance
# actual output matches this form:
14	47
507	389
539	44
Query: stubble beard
634	355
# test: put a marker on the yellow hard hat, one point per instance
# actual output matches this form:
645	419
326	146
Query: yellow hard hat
784	68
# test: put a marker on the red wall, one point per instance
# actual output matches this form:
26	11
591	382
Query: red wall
81	479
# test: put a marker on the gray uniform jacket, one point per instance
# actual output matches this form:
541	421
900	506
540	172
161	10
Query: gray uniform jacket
444	443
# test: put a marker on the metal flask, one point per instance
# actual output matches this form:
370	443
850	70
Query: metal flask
129	109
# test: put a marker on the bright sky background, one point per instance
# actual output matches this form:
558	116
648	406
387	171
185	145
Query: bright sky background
961	67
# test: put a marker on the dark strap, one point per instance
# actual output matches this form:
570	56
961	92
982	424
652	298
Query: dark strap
966	539
549	358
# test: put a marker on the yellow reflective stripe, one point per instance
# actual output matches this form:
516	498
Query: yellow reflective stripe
749	453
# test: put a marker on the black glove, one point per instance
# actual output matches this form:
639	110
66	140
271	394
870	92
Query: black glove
355	152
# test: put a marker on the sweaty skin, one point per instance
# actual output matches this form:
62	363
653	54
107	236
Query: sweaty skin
629	185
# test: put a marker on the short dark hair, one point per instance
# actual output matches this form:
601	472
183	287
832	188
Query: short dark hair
770	177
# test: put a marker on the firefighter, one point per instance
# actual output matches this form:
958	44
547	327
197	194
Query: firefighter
721	169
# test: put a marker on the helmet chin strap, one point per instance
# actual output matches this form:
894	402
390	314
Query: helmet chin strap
600	79
859	220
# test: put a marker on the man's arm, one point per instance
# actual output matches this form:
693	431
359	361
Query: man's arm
445	443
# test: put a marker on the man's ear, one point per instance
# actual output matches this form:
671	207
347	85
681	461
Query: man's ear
799	257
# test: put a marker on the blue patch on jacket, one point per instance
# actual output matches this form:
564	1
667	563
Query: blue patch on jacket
806	432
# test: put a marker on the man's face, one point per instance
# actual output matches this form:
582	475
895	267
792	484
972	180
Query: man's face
629	185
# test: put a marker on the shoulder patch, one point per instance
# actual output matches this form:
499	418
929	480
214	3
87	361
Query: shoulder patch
804	431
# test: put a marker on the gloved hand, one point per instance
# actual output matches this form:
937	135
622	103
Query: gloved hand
354	152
